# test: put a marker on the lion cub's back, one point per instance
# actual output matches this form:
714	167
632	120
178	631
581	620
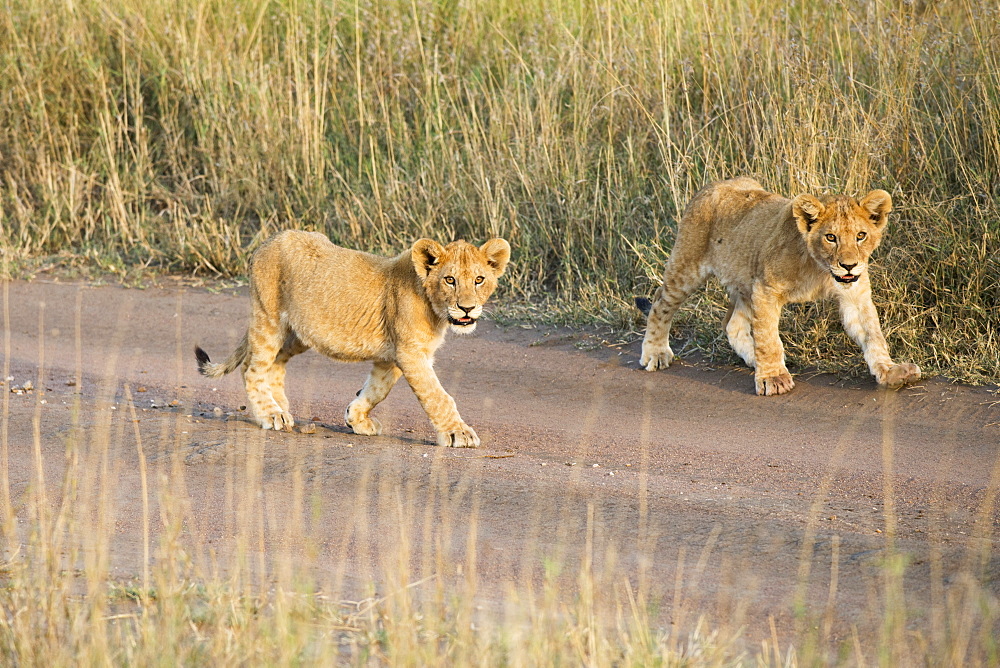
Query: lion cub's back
729	224
725	205
310	262
330	295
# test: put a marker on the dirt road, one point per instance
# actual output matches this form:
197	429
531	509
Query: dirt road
682	476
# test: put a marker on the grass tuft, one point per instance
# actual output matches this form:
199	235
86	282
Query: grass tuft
179	135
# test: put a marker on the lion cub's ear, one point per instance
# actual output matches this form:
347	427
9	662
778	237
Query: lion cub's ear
878	204
426	254
497	254
806	210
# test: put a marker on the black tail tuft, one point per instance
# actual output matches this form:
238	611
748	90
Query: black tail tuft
203	360
641	303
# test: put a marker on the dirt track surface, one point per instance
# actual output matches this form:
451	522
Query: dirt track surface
688	477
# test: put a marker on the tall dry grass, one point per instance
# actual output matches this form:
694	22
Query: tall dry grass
179	134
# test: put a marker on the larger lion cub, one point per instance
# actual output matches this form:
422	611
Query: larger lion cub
769	251
355	307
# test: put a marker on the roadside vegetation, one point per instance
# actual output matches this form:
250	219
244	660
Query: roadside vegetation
175	136
139	136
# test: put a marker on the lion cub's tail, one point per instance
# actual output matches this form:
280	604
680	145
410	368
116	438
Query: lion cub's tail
643	305
207	367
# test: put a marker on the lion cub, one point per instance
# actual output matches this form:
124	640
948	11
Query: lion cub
354	307
769	251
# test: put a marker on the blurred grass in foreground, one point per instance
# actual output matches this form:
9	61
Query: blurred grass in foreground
274	590
176	135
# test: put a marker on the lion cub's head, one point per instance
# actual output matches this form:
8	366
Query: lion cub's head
840	232
459	278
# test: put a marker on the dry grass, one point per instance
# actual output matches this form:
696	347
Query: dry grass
192	603
177	135
196	604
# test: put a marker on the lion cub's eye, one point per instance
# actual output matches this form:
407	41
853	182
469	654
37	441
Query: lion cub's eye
450	280
861	236
480	279
832	238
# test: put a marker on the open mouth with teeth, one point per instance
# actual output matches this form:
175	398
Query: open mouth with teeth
464	321
846	278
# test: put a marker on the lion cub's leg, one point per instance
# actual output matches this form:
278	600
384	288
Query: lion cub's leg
259	375
771	376
292	347
381	379
440	407
860	318
682	276
737	326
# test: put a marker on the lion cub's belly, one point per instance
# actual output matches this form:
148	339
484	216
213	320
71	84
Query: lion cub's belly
345	337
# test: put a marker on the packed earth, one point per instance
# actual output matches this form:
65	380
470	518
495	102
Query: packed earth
720	503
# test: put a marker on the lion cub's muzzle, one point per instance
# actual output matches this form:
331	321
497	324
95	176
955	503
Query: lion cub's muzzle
846	278
464	316
852	272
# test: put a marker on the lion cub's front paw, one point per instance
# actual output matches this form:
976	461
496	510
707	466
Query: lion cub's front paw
278	421
768	386
899	375
463	437
655	357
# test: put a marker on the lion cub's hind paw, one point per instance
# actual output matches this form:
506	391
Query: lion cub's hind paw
362	424
277	421
655	357
463	437
899	375
769	386
366	427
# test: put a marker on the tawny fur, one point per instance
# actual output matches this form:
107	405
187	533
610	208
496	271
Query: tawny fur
354	307
769	251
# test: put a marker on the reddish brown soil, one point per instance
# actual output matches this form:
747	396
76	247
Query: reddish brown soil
686	475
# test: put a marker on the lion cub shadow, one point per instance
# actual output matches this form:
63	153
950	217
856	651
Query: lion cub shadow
317	428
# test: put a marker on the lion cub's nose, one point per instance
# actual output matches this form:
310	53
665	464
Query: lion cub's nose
467	309
848	267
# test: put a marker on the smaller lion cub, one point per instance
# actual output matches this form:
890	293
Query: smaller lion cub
769	251
354	307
